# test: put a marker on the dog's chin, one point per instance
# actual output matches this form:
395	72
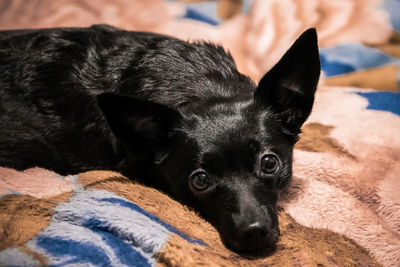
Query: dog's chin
266	247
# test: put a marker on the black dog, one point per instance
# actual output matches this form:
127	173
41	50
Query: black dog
174	115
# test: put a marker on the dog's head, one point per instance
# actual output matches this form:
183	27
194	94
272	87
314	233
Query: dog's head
228	158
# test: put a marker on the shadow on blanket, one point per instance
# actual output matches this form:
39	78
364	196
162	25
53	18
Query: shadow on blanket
109	220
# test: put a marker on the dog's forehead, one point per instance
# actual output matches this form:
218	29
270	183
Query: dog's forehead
222	124
232	140
237	134
235	124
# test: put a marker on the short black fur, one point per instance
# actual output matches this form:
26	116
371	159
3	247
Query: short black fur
174	115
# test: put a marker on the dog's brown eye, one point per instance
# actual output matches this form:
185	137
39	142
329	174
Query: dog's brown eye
269	164
200	180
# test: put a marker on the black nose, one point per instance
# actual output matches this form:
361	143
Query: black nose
255	232
258	234
252	238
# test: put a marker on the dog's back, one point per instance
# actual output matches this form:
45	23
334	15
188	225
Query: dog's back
49	79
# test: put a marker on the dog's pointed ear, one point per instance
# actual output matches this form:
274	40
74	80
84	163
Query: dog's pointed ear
141	125
289	87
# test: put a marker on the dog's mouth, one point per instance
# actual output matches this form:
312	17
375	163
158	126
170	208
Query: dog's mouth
262	244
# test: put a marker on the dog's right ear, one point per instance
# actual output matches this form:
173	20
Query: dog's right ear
288	88
141	125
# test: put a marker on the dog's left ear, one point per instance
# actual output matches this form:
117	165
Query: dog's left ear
288	88
142	126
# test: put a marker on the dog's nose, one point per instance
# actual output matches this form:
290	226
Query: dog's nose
255	232
259	235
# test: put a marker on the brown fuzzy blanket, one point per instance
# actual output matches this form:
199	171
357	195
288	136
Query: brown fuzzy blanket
106	212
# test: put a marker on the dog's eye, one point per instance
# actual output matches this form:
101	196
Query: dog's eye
200	180
269	164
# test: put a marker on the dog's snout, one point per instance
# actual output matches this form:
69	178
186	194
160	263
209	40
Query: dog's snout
253	226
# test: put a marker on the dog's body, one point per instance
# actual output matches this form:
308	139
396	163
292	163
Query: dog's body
173	115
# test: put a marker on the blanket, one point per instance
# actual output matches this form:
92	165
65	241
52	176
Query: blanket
343	206
108	220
